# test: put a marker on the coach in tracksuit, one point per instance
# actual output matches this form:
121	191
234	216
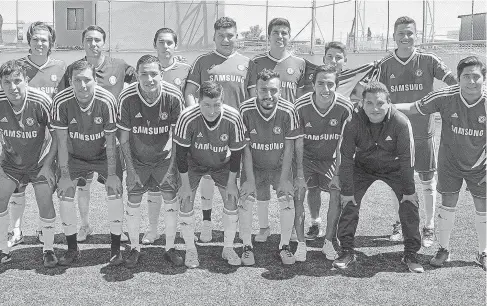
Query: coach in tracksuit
378	144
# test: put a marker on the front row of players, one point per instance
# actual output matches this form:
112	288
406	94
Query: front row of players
281	144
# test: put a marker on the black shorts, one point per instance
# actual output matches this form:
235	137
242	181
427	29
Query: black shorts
22	178
151	179
318	173
82	170
219	175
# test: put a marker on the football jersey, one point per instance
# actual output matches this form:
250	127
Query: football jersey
462	126
322	131
209	147
86	126
23	132
411	80
290	68
48	77
111	75
229	71
176	74
267	135
149	124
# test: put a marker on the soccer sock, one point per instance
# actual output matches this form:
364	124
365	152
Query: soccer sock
207	190
286	219
429	194
67	211
446	220
4	223
48	226
480	226
171	208
84	204
17	208
154	204
316	221
187	228
115	214
245	222
395	205
133	224
230	219
263	213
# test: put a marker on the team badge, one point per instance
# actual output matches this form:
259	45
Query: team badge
333	122
29	121
419	72
177	81
290	70
223	137
53	77
276	130
241	67
163	116
112	80
481	119
98	120
310	76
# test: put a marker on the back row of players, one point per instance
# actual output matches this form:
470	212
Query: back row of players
289	134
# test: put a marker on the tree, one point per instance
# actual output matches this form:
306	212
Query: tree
254	32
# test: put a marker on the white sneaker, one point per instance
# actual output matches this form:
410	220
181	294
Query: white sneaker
231	257
294	236
329	250
191	259
263	234
84	232
150	237
206	231
301	251
124	238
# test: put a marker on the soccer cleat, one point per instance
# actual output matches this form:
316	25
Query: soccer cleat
248	256
329	250
427	237
173	257
124	237
15	240
84	232
347	257
411	260
150	237
69	257
4	257
49	259
314	231
231	256
116	258
481	259
396	232
39	237
206	231
263	234
133	258
191	260
442	256
301	251
287	257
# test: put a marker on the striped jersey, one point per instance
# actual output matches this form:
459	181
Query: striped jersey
462	126
48	77
149	124
210	147
23	131
176	74
86	126
267	134
322	130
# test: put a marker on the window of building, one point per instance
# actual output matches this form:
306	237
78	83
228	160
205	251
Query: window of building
76	18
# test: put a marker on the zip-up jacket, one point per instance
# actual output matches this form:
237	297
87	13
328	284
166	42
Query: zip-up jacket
392	152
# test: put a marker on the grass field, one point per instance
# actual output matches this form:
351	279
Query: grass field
377	279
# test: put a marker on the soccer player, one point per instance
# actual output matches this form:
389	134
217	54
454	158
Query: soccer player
45	74
228	68
112	74
462	150
204	134
148	110
409	74
84	116
323	115
271	126
25	119
377	144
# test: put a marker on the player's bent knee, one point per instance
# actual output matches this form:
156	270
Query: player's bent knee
426	176
449	199
134	198
479	203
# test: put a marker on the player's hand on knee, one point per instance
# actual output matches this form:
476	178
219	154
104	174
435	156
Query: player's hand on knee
286	189
300	187
344	200
132	179
334	183
65	185
413	198
113	182
48	174
247	189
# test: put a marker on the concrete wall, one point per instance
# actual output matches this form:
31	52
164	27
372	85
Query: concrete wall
65	37
478	27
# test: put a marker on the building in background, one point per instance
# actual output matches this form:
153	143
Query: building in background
472	27
70	19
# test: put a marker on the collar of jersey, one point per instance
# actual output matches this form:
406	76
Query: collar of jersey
226	57
143	100
35	65
273	112
408	60
170	66
277	60
329	108
217	124
483	96
23	105
85	109
98	68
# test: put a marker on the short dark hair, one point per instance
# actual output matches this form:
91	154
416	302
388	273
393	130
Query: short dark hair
224	23
404	20
375	87
80	65
94	28
470	61
328	69
336	45
210	89
147	59
166	30
267	74
39	25
278	22
12	67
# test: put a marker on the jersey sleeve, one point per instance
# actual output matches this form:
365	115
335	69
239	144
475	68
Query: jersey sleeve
44	113
440	69
176	109
405	153
123	116
184	130
59	114
302	79
194	76
110	117
252	74
430	104
347	151
292	126
129	77
307	80
237	135
245	121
